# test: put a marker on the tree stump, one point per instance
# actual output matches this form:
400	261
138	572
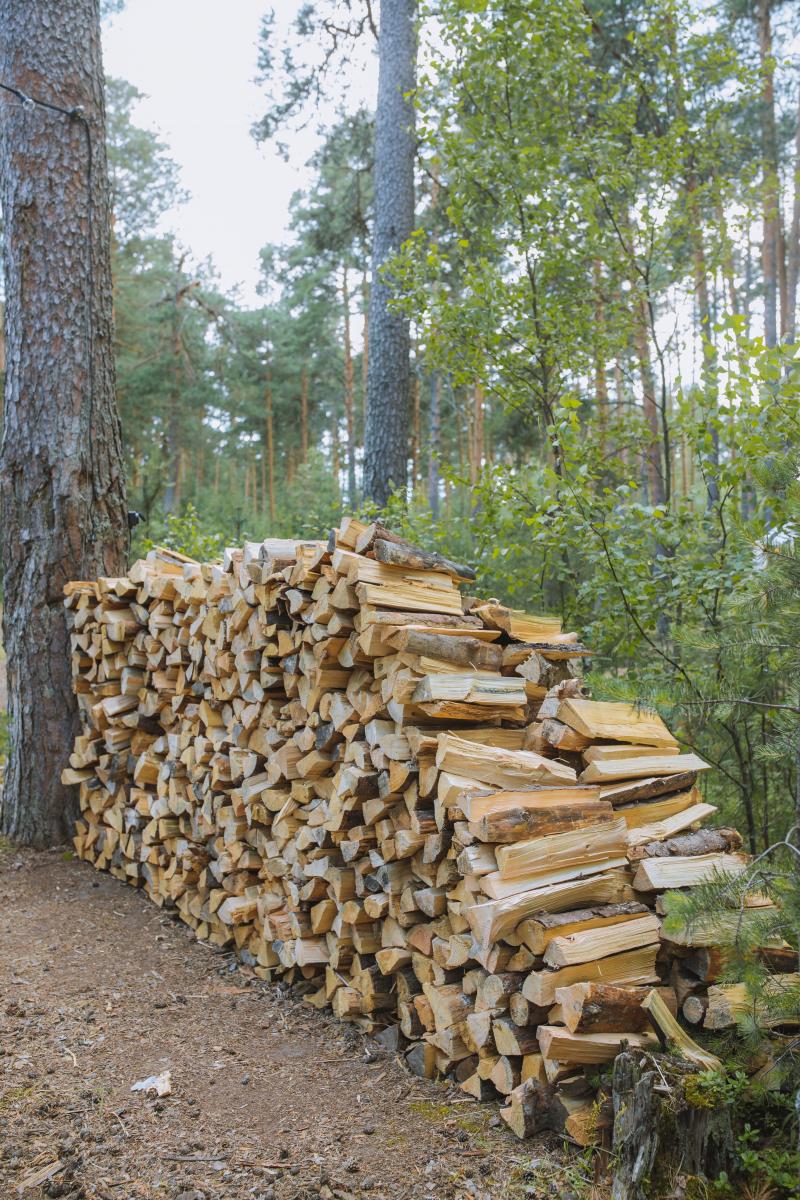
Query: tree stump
636	1112
663	1135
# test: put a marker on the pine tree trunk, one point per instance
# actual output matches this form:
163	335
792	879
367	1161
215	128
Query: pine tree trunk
270	450
772	239
655	471
349	394
416	430
433	443
61	474
365	348
600	380
709	368
793	267
172	433
386	436
304	414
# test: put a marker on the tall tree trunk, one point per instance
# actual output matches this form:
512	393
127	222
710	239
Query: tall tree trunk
61	471
304	414
709	371
365	348
434	417
349	394
172	439
600	380
772	242
793	267
416	430
476	454
270	447
386	436
654	469
335	446
619	407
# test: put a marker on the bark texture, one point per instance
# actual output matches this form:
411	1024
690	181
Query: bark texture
655	1139
64	512
388	380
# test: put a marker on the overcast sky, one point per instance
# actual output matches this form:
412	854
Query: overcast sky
195	60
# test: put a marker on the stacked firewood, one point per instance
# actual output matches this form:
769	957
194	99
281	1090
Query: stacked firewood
399	797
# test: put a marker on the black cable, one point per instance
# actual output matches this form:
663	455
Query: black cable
77	113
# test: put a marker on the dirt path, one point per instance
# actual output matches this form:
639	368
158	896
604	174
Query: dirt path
271	1099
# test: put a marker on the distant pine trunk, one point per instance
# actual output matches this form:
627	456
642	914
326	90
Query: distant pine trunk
61	473
388	378
349	394
772	256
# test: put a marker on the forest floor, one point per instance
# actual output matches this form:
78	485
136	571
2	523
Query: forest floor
270	1098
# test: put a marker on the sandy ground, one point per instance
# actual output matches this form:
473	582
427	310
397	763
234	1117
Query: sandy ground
270	1099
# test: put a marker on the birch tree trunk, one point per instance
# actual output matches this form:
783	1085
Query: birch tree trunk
61	477
388	376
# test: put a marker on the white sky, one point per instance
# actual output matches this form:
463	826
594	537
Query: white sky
195	60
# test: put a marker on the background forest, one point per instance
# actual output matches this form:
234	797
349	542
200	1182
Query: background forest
602	289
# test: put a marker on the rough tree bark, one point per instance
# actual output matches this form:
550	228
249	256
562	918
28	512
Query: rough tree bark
664	1137
61	479
388	377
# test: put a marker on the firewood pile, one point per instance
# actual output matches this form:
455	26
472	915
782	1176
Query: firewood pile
398	798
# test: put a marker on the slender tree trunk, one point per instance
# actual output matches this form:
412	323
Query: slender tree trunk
793	267
600	379
304	414
706	332
270	430
476	456
416	430
64	509
619	412
772	239
655	473
335	447
349	395
433	443
173	431
365	349
386	436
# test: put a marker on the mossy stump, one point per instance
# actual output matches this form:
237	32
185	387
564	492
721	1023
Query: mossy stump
658	1134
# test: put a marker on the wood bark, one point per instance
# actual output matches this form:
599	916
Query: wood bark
61	476
388	378
671	1133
